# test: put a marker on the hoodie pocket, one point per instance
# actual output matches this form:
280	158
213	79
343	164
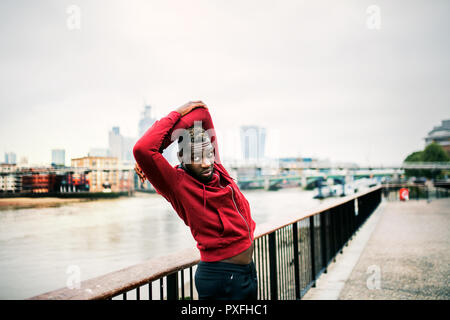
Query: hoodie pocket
234	226
206	230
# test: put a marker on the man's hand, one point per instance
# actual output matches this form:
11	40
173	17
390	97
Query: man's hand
140	173
191	105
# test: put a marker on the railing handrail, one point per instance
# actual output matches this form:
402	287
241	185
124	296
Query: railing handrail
410	184
272	226
113	283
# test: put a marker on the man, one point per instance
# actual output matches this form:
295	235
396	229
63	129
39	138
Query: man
205	197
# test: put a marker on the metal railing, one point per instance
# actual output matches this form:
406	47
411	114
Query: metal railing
416	192
289	256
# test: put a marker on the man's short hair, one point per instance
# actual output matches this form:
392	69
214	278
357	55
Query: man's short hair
193	139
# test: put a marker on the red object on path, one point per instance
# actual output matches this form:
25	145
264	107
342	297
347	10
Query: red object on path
404	194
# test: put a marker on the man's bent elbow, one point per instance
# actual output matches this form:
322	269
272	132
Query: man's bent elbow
138	152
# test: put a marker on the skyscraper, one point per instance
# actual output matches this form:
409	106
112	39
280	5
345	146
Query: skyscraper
253	140
115	143
145	123
121	147
146	120
10	158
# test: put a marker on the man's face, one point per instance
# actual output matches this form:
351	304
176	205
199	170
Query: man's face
202	161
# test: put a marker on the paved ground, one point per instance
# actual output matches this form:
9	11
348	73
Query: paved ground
402	252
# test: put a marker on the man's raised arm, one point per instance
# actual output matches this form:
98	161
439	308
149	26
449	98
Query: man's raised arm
148	149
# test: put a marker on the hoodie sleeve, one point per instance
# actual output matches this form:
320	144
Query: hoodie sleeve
148	154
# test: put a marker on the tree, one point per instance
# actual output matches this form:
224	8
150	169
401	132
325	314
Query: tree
435	153
432	153
416	156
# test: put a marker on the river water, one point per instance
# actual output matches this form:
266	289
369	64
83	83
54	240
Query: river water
40	247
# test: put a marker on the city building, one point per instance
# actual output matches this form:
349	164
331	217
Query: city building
146	120
37	181
10	180
115	143
253	140
121	147
7	168
23	162
104	174
10	158
145	123
58	157
441	135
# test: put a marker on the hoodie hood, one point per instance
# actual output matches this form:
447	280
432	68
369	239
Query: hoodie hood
214	182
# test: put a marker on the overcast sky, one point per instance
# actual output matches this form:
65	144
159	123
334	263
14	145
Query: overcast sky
327	79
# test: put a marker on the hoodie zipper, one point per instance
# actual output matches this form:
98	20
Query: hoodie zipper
232	197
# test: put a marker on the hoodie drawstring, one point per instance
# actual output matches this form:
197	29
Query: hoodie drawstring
204	199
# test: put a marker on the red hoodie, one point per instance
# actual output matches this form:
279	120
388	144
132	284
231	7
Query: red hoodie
216	211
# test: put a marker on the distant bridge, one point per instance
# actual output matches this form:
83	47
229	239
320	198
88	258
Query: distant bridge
273	182
328	166
309	173
427	165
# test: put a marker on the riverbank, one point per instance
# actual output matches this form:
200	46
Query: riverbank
20	203
46	202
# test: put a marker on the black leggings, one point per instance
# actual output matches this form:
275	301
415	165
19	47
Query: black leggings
226	281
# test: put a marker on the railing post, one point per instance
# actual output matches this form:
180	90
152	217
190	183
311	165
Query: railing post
340	211
360	212
296	261
346	223
352	218
323	240
172	286
273	267
334	233
349	220
313	250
